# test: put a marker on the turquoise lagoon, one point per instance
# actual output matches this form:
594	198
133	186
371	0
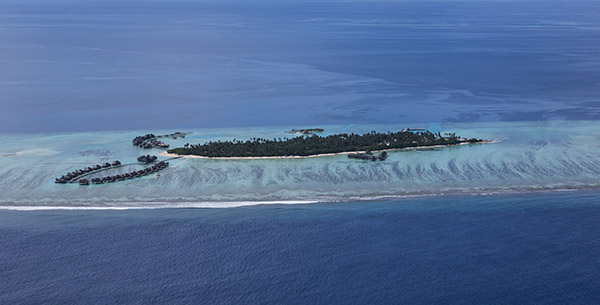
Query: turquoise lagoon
525	157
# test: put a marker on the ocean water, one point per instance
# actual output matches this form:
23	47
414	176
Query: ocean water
512	222
518	249
110	65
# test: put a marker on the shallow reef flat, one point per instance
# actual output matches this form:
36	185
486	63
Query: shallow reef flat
526	156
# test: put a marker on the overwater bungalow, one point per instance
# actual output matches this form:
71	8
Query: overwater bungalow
72	176
149	141
140	139
368	155
147	159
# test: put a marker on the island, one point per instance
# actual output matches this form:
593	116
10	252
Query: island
314	145
306	131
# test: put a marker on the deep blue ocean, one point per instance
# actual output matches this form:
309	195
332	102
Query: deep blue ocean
135	64
506	249
80	79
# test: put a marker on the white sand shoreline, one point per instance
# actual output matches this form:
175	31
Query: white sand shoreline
166	154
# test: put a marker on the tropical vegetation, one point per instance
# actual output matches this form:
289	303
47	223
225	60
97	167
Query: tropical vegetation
314	144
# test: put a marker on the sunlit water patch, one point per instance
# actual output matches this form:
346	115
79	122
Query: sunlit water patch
525	157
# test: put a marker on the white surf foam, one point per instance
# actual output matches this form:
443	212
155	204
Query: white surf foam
158	205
